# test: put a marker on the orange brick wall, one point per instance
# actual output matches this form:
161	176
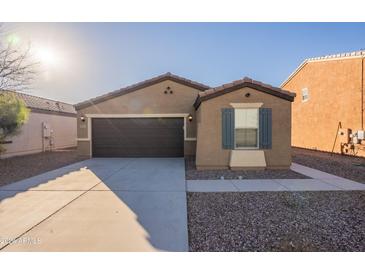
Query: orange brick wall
334	96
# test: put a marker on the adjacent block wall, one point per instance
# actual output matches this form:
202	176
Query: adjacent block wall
30	139
335	95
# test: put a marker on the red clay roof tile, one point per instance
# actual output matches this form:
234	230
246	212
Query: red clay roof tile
145	83
245	82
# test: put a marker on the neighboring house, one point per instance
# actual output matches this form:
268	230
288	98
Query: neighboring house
51	125
328	114
244	124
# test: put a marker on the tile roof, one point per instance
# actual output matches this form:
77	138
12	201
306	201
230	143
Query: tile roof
134	87
245	82
39	103
345	55
359	53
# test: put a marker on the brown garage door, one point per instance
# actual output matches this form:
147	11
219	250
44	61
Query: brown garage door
137	137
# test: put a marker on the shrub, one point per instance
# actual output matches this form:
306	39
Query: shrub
13	114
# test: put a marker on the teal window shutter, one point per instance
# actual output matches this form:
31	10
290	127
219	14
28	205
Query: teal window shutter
265	130
228	128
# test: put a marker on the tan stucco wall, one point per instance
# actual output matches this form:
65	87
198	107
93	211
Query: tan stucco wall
209	144
149	100
83	148
30	139
334	96
189	148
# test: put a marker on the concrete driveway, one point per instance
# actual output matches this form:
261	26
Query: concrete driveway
99	204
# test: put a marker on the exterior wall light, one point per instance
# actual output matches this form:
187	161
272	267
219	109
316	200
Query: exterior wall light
190	118
82	118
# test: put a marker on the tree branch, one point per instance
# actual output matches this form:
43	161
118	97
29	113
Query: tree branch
17	71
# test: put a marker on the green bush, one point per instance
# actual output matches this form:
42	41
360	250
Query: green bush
13	114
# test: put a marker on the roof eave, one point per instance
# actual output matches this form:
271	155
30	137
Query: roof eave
334	57
139	86
289	97
295	72
197	102
52	112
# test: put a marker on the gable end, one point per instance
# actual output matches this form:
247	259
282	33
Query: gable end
141	85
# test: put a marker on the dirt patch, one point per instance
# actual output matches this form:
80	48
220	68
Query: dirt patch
349	167
277	221
22	167
191	173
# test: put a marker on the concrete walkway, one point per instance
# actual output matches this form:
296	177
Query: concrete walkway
98	205
321	181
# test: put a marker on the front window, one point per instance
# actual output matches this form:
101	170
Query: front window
246	128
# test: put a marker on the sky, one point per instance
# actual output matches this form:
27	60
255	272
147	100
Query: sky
79	61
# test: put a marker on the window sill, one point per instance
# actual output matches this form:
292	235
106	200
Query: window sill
247	158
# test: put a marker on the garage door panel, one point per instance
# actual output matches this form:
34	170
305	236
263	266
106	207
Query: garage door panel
136	146
138	137
138	122
139	134
111	152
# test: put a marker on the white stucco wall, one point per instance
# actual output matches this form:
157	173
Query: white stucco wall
30	140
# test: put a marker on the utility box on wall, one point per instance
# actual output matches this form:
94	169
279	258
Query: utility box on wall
344	135
360	135
36	135
46	130
47	136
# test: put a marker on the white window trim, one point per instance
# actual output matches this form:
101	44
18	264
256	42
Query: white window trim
306	99
246	105
258	132
171	115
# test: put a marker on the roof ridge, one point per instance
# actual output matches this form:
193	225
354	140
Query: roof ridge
36	96
343	55
360	52
131	87
41	103
243	82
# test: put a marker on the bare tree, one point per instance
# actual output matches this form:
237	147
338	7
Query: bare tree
17	71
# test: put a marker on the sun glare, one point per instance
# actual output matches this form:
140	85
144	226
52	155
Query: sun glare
47	56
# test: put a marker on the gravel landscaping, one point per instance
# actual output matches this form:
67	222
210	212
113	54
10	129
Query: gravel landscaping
22	167
349	167
191	173
277	221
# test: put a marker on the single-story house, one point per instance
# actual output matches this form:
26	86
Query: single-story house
329	115
243	124
51	125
